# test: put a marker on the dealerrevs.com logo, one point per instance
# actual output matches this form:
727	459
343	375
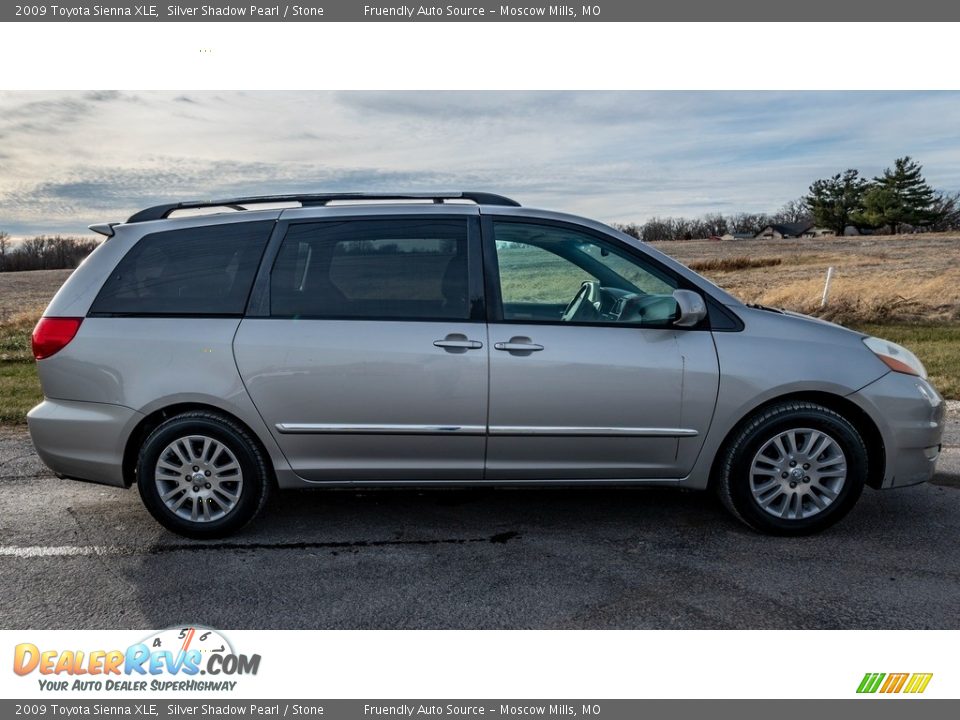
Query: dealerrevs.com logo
911	683
178	659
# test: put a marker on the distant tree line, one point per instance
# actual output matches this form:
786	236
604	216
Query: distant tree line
43	252
714	224
899	200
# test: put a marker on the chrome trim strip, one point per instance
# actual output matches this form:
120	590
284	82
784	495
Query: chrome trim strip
503	482
500	430
591	431
353	429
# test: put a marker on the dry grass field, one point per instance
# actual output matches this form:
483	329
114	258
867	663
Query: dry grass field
27	293
905	288
877	279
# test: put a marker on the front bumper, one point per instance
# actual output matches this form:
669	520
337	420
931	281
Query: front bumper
82	440
909	413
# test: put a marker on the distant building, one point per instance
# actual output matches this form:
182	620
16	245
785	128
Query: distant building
782	231
737	236
794	230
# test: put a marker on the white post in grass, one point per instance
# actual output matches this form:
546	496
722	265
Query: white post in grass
826	287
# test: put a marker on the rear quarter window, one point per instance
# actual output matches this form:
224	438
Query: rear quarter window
206	270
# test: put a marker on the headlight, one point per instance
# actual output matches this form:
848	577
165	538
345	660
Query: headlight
897	357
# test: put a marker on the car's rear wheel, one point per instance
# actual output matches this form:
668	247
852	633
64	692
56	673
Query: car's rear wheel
793	469
202	475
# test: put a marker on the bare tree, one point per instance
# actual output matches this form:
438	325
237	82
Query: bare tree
631	229
4	246
714	224
44	252
749	222
793	212
657	229
946	208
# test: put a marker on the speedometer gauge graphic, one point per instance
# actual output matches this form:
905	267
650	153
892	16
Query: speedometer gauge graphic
182	639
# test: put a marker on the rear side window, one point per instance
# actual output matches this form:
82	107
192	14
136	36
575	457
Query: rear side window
195	271
373	269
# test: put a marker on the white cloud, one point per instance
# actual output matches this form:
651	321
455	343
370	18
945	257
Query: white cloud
68	159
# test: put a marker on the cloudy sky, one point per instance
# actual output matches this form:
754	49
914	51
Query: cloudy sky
70	159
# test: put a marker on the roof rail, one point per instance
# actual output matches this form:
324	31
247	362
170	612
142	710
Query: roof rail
159	212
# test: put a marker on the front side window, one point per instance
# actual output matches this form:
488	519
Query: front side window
206	270
373	269
555	274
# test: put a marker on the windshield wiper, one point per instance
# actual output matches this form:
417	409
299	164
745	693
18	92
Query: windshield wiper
758	306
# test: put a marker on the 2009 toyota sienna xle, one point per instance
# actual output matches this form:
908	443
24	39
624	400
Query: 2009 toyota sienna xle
209	352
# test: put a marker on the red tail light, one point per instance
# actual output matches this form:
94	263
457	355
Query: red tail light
53	334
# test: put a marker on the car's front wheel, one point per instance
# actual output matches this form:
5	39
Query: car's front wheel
793	469
202	475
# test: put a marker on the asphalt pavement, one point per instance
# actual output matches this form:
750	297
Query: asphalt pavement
76	555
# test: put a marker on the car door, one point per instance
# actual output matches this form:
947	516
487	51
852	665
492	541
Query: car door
371	361
588	376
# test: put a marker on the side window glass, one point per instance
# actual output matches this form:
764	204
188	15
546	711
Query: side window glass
554	274
373	269
535	279
205	270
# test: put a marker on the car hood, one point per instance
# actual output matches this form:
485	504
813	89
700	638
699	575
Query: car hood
800	317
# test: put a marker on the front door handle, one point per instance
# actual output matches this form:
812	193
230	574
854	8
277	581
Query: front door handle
463	344
518	345
457	342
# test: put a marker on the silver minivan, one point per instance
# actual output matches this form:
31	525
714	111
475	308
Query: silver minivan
209	352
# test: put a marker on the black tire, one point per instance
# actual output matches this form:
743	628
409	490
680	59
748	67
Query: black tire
734	481
250	457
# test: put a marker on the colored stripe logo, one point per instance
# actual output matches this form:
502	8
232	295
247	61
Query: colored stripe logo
913	683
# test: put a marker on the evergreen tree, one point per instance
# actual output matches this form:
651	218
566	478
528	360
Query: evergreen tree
835	202
901	196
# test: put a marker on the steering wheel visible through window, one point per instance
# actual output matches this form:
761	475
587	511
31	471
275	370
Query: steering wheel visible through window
585	306
541	264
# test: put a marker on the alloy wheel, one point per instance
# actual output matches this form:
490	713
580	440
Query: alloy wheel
798	473
198	478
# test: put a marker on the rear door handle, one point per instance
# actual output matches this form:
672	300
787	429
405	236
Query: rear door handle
458	341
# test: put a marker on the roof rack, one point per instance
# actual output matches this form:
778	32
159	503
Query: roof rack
159	212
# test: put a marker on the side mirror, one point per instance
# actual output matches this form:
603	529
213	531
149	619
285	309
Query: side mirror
691	308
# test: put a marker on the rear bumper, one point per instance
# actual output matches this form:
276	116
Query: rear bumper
910	415
82	440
